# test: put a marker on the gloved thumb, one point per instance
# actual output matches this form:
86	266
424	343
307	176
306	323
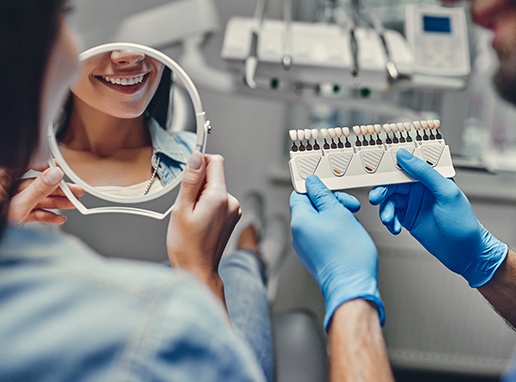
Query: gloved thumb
423	172
322	198
193	179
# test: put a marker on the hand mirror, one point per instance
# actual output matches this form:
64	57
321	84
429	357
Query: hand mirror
126	132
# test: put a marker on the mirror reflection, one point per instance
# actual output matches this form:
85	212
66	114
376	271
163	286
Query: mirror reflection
128	127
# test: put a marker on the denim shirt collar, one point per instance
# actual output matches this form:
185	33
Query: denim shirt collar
165	143
171	151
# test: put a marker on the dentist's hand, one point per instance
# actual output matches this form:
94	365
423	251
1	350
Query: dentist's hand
437	213
202	220
334	247
35	198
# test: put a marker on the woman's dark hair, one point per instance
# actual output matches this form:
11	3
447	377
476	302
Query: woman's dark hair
28	29
159	106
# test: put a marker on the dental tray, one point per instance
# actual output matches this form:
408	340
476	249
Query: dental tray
367	157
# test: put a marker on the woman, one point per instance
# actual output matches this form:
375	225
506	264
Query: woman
68	314
113	130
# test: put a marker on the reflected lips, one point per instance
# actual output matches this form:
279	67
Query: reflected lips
124	84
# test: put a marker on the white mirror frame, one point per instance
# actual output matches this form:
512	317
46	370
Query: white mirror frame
202	130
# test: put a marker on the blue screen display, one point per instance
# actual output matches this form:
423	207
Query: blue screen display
436	24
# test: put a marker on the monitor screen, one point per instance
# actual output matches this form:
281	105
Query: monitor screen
436	24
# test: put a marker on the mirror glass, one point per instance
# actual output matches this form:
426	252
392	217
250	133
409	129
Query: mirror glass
131	121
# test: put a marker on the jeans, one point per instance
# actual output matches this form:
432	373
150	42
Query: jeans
248	306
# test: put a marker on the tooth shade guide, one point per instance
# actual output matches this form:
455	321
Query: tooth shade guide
407	129
338	133
424	126
401	129
364	166
378	129
417	127
293	138
370	132
345	132
324	134
358	132
301	137
363	130
396	133
387	129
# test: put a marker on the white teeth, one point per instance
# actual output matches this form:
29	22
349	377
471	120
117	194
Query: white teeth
124	81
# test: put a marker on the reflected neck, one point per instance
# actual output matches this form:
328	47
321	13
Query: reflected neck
99	133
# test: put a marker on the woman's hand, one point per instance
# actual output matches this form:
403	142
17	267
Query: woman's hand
35	196
202	220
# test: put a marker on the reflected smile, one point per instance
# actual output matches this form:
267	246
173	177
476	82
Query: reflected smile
126	84
124	80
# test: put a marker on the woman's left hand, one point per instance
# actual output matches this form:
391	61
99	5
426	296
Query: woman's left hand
202	220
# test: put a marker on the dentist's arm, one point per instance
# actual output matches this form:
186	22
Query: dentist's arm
202	220
500	291
342	258
438	215
356	348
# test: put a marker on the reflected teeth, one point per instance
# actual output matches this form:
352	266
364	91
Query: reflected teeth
124	81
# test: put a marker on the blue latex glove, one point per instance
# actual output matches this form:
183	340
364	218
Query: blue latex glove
440	217
334	247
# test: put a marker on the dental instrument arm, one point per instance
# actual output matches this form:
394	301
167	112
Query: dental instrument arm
355	71
251	61
286	60
392	70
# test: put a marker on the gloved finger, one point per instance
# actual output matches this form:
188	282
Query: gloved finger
399	201
300	205
387	212
379	194
348	201
394	227
389	218
322	198
421	171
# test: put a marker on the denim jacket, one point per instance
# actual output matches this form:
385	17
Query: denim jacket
172	149
68	314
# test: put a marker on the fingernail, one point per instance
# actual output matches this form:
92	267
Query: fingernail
195	161
53	176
